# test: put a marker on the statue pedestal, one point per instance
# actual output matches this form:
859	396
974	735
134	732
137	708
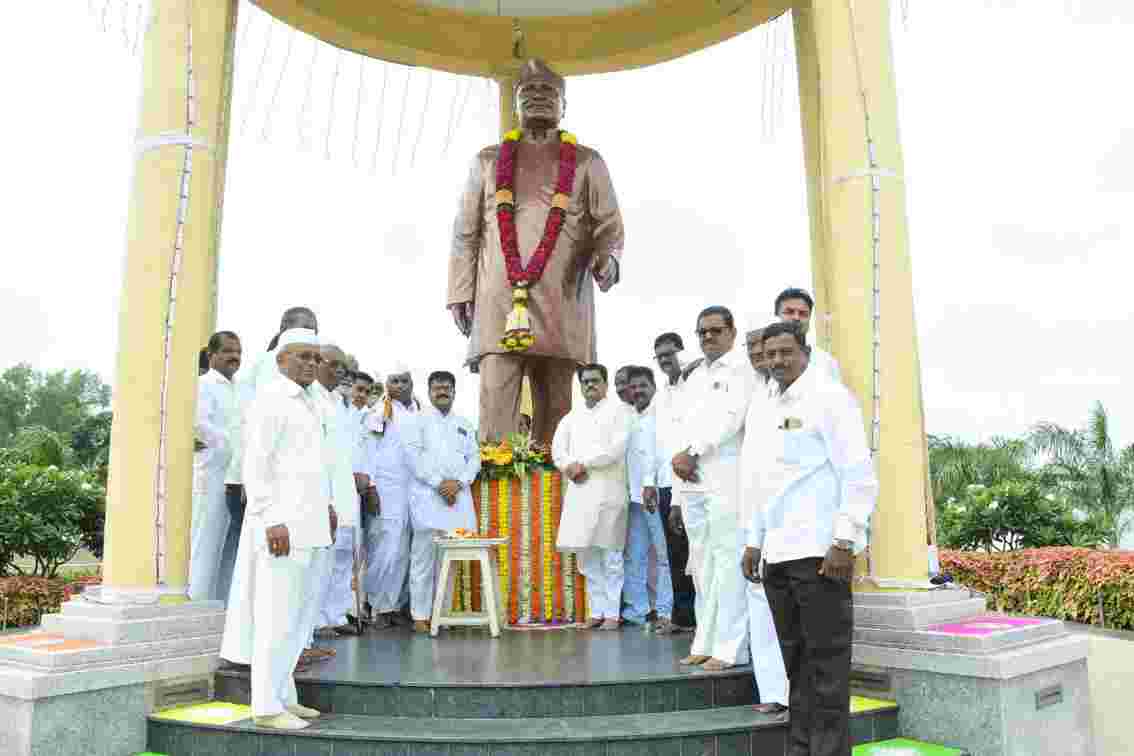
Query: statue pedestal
84	681
992	684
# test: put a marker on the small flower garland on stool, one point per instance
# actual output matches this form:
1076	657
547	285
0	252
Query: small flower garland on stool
518	336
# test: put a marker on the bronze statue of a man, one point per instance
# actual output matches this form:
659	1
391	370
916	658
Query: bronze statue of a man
538	226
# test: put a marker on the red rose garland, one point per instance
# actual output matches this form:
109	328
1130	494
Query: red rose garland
517	334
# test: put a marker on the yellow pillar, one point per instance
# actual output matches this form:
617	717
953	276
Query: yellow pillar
168	303
844	50
508	118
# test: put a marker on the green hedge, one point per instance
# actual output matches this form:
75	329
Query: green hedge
1064	582
24	600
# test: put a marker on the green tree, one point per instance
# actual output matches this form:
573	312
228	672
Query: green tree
1015	514
955	465
58	400
90	441
1089	468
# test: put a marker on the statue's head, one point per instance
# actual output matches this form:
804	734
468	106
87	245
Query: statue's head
540	94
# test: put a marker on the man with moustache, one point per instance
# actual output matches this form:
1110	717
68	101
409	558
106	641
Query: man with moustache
622	385
645	525
755	343
290	521
590	450
445	457
247	381
667	348
712	432
390	470
561	303
797	306
217	428
810	476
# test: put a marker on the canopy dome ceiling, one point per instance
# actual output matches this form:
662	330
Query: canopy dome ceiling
491	37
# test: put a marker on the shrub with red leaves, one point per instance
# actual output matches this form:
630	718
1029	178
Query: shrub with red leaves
1062	582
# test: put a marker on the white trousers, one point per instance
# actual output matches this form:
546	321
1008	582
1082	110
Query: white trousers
713	527
423	573
767	658
337	599
283	590
316	587
387	562
604	573
207	531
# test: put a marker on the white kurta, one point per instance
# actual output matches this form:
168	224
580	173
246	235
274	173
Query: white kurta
667	415
217	422
595	512
333	595
441	447
825	363
715	398
388	535
286	481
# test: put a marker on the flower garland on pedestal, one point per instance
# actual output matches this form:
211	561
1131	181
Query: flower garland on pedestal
518	336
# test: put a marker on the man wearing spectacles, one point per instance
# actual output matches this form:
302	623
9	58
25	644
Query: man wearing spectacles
714	402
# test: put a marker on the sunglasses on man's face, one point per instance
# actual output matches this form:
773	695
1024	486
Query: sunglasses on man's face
710	331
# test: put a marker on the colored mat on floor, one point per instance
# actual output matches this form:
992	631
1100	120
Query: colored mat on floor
211	713
905	747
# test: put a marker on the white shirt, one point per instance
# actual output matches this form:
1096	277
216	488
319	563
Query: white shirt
218	417
442	447
342	431
808	475
825	363
714	401
285	462
667	429
642	455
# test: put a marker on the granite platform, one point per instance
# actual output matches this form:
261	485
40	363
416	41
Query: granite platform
527	692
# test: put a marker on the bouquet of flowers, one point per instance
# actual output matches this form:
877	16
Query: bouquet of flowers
513	457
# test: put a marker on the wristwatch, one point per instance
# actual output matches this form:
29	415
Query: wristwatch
843	544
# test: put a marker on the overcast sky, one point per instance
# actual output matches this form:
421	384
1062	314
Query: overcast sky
1017	127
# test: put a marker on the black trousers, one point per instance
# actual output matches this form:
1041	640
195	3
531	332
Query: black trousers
814	622
677	548
234	500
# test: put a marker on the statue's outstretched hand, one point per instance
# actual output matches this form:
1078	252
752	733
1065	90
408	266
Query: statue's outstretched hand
462	316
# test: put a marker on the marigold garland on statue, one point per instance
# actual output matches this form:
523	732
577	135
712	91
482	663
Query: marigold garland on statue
518	336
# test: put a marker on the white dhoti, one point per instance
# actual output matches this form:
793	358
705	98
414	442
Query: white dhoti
722	607
423	573
208	526
767	658
283	589
387	562
604	570
316	590
236	645
337	599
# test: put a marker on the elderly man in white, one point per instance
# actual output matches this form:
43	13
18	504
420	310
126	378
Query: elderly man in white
391	471
589	448
715	398
446	460
334	596
811	478
217	428
289	520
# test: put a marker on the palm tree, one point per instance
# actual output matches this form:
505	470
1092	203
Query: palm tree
955	465
1085	463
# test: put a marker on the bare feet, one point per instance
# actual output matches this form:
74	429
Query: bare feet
594	623
421	626
664	627
693	660
610	623
716	665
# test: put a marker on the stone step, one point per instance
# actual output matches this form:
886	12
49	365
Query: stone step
687	692
726	731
